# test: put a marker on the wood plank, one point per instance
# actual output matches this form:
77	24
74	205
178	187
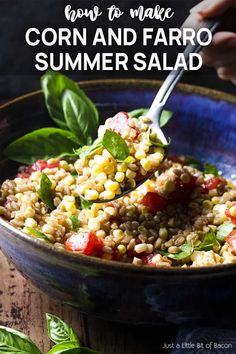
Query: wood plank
23	307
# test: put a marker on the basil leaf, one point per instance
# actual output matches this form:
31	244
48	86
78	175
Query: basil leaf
85	204
63	347
59	331
224	230
79	117
75	222
115	145
186	251
165	117
209	242
12	341
88	151
54	86
136	113
41	144
191	161
210	169
34	232
57	349
157	143
45	192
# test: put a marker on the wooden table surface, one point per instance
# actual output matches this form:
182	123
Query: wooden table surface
23	307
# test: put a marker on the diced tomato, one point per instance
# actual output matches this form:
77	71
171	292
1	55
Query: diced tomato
147	259
213	183
231	240
183	190
232	218
155	202
40	165
85	242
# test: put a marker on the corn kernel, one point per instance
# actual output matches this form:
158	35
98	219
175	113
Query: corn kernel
121	249
30	222
111	186
121	167
140	154
137	261
91	194
101	234
107	195
142	247
130	174
94	224
47	229
110	211
146	164
232	211
120	176
109	168
101	178
215	200
64	164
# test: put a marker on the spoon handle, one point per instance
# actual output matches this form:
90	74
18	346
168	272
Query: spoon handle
175	75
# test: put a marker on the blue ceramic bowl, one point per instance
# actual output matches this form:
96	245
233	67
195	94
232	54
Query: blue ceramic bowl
204	126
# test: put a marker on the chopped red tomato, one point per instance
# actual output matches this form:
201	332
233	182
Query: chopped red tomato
232	218
213	183
85	242
183	190
147	259
155	202
231	240
40	165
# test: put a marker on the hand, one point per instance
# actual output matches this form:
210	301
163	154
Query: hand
221	54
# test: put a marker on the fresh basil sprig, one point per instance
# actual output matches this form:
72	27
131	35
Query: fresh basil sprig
115	145
54	86
42	144
74	222
164	119
186	251
210	169
88	151
46	194
65	339
12	341
209	242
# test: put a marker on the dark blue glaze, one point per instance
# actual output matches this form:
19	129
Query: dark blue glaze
203	127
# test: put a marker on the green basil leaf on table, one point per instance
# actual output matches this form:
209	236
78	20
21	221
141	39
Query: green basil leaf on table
79	117
58	349
75	222
12	341
54	86
209	242
59	331
210	169
41	144
115	145
224	230
186	251
46	194
36	233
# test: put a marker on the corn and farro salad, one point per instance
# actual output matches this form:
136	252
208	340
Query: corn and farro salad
181	217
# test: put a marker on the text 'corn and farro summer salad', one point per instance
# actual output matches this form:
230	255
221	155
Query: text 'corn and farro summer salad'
185	215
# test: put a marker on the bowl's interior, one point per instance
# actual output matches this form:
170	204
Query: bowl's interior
203	126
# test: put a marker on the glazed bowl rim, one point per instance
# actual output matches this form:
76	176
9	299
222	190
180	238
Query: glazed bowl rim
114	265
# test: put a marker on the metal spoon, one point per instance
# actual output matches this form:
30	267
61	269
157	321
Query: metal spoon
166	89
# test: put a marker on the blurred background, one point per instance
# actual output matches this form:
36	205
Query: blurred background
17	72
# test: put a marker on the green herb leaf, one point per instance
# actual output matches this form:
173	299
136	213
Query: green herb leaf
34	232
115	145
79	117
41	144
66	348
136	113
165	117
63	347
191	161
85	204
45	192
209	242
186	251
210	169
59	331
158	142
54	86
88	151
12	341
223	230
75	222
